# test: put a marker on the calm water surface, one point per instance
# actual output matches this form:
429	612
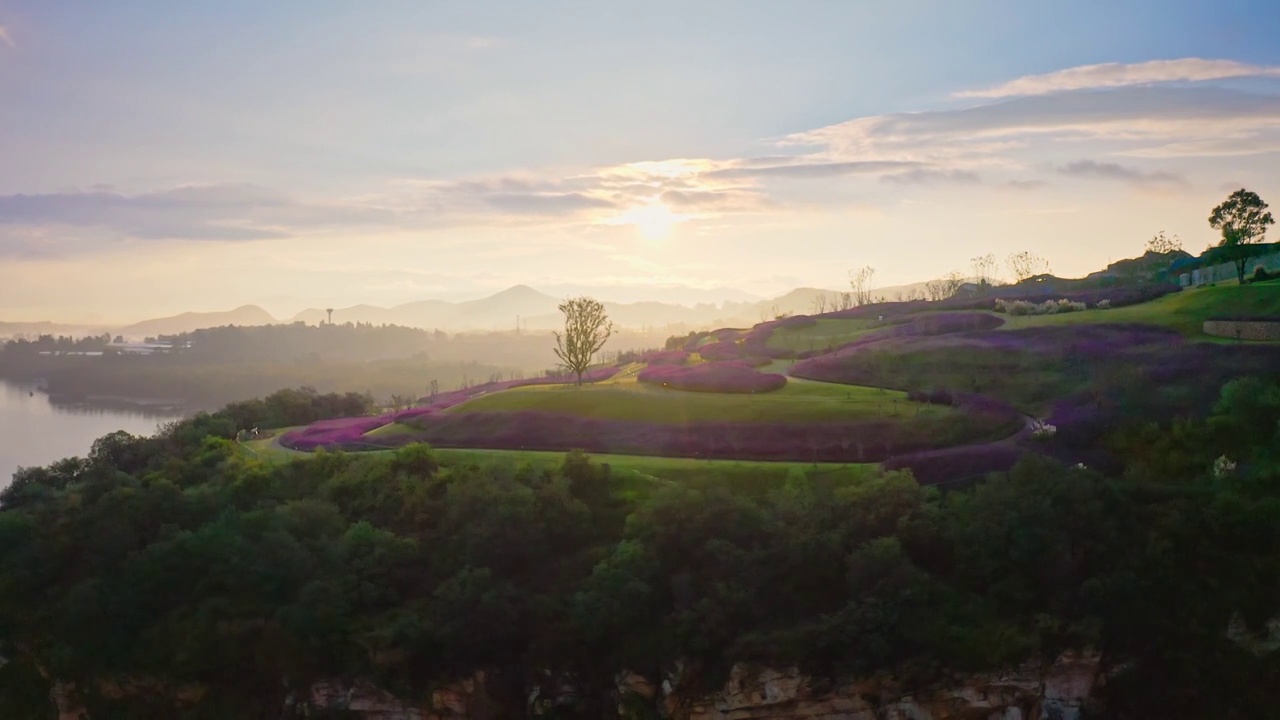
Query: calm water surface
33	432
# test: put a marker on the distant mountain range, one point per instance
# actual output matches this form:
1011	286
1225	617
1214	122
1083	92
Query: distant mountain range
532	309
186	322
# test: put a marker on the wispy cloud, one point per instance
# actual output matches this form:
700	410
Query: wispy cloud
1090	169
1025	184
7	39
1110	75
206	212
799	168
924	176
996	144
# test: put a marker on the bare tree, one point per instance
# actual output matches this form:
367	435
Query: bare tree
820	303
844	300
1025	265
944	287
1160	244
586	329
984	268
860	282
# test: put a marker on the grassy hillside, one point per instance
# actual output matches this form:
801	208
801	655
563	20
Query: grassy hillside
1185	311
824	333
631	469
625	399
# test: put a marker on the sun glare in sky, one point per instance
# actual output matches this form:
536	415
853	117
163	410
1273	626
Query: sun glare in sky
653	220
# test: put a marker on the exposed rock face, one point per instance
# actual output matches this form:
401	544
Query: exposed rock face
1054	692
66	703
462	700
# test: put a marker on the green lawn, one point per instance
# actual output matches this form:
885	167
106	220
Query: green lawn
825	333
626	399
630	469
391	430
1183	311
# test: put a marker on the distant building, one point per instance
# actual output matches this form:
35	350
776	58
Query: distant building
138	348
1204	270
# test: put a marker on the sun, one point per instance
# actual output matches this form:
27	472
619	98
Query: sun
653	220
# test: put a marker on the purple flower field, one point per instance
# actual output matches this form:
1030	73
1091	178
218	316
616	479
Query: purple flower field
349	432
333	433
719	377
664	357
722	350
756	342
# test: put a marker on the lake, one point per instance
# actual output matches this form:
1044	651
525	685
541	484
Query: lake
35	432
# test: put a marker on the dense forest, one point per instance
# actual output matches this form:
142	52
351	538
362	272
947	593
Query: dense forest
185	560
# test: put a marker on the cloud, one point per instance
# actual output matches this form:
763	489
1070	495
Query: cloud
1008	135
812	169
7	39
1028	123
1112	171
208	212
546	203
1025	184
716	201
1249	141
1111	75
923	176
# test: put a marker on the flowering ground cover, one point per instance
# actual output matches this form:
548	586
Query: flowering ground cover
715	377
1142	369
342	432
721	350
801	421
351	432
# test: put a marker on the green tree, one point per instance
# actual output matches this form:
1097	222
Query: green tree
586	329
1242	219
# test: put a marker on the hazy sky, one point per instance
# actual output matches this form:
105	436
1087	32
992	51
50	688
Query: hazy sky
166	156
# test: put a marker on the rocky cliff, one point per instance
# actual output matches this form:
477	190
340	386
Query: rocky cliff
1053	691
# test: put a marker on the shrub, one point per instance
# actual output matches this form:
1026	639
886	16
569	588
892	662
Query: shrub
664	357
722	350
1104	304
797	321
949	465
1259	274
722	377
1048	307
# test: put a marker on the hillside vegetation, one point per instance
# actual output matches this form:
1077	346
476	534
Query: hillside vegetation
185	564
1140	521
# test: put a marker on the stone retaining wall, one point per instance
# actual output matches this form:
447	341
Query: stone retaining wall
1244	329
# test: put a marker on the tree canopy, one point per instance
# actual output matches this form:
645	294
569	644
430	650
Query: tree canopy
186	562
1242	219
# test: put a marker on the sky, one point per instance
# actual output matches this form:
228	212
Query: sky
157	157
